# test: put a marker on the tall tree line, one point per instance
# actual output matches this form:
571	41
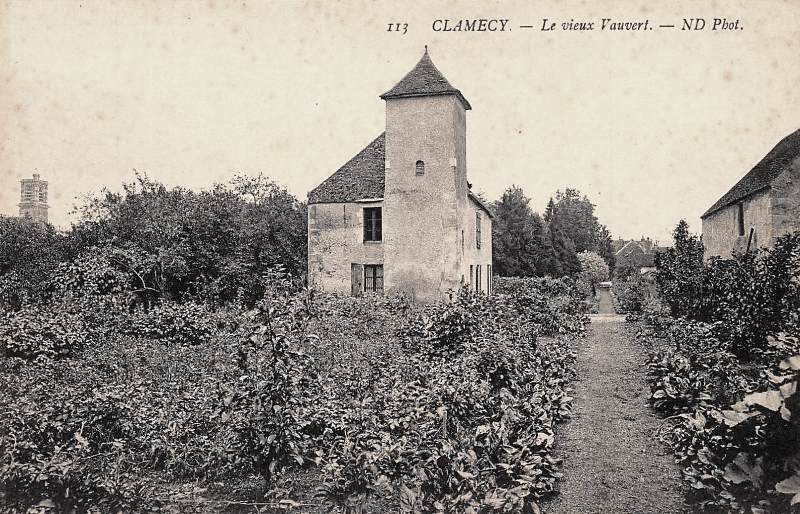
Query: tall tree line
527	244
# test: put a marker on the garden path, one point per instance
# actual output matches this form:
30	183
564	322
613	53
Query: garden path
613	463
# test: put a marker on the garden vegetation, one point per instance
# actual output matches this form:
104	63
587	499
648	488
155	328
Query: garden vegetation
724	362
164	356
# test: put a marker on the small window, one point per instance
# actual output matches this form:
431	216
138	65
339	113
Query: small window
471	280
478	285
372	224
740	219
373	278
488	279
478	230
420	167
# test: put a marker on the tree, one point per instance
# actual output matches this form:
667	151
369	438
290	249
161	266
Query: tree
593	267
215	244
679	271
520	241
574	215
29	252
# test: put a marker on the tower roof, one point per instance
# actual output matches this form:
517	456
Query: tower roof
424	80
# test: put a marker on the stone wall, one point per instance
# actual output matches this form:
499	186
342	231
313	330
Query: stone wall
422	221
474	256
720	229
785	195
335	241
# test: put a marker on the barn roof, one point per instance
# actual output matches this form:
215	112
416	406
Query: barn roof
360	178
762	174
424	80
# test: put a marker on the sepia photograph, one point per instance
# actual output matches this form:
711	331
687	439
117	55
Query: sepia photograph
369	256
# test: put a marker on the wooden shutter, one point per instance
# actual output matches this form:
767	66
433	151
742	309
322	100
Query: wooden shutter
356	279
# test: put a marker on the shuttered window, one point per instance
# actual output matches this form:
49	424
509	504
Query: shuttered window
373	277
372	224
478	230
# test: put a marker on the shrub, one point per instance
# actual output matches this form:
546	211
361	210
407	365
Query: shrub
679	271
187	323
594	268
37	332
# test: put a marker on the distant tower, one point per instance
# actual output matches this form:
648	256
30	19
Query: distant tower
33	198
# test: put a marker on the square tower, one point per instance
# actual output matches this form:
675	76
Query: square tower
426	189
33	198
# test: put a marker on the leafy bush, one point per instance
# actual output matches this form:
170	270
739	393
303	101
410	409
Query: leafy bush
187	323
36	332
69	454
745	456
594	268
679	271
635	294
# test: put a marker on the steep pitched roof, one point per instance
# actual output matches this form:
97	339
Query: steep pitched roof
424	80
360	178
763	173
480	203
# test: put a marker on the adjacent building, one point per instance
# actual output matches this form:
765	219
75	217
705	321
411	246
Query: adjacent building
636	255
762	206
33	198
400	216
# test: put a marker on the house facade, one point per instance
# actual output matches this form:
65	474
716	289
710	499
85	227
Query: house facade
400	216
762	206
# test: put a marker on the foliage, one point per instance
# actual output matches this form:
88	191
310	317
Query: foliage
269	405
751	295
679	271
573	214
526	245
731	383
387	405
635	294
174	243
29	251
463	422
521	242
34	332
593	267
188	323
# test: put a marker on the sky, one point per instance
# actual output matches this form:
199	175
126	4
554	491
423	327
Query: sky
653	126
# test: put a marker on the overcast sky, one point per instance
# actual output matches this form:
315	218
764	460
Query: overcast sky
653	126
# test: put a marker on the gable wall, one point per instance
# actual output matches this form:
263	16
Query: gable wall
785	196
720	230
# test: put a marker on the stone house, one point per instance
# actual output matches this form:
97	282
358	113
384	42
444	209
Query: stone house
762	206
400	216
636	255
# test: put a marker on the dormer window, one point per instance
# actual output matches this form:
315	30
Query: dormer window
420	167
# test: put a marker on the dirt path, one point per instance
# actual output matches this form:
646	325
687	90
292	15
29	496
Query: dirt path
612	462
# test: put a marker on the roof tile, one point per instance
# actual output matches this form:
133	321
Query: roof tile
424	80
360	178
762	174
